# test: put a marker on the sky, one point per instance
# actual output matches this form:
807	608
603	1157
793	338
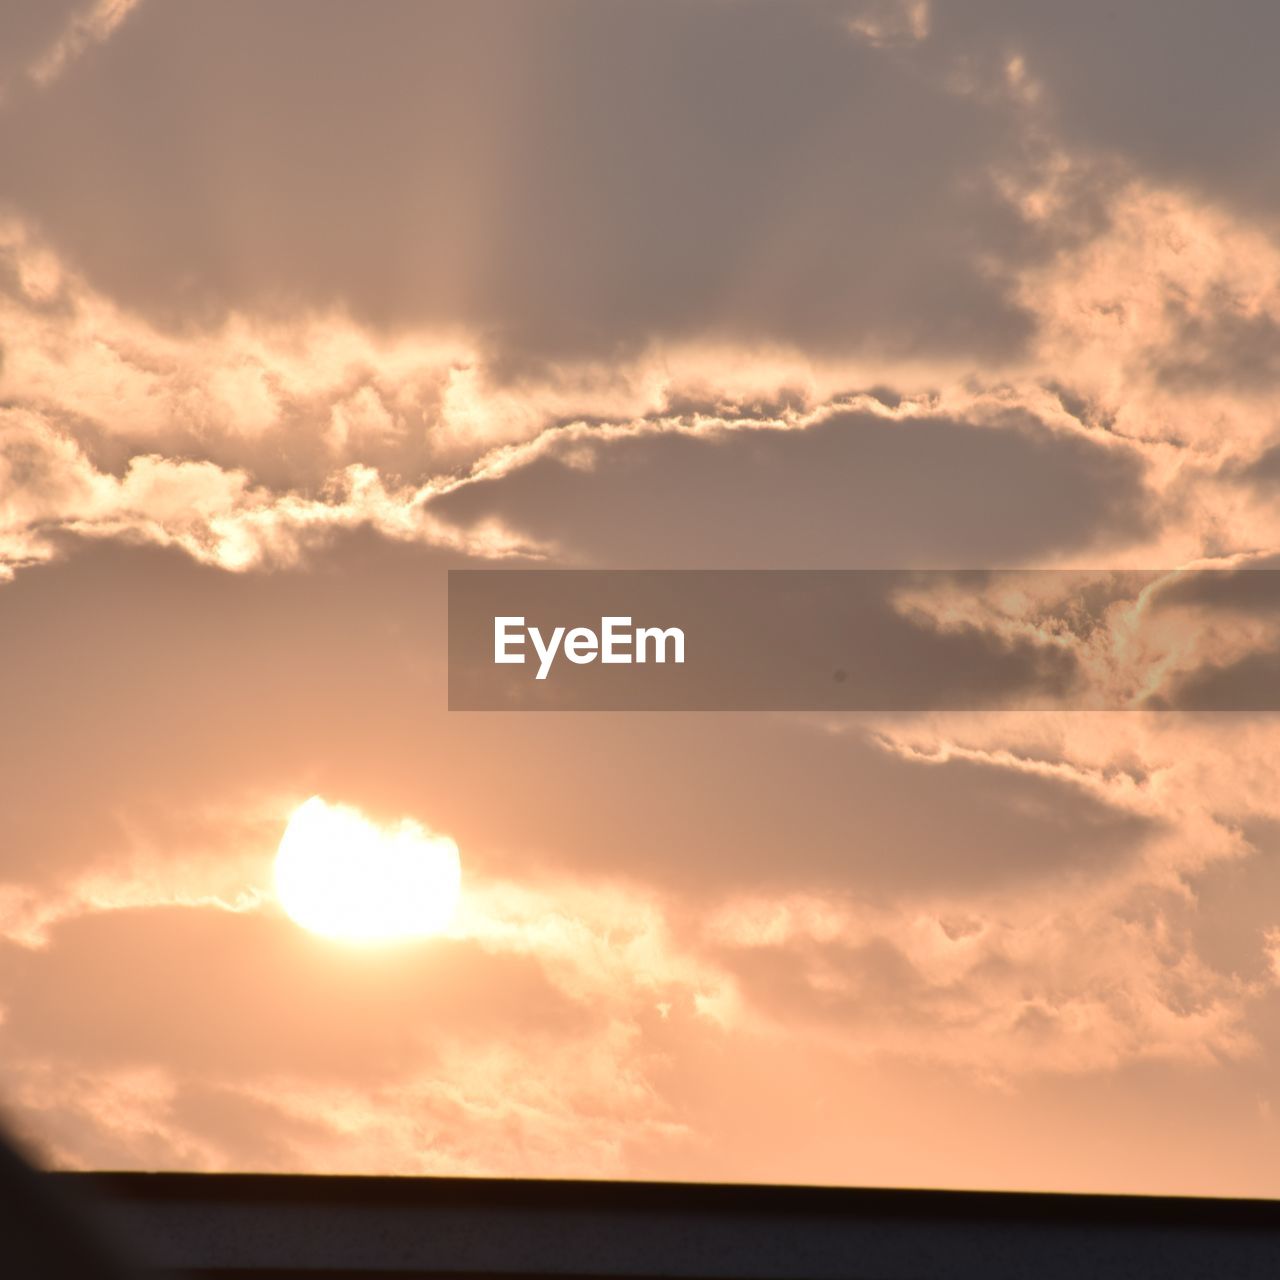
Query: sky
304	304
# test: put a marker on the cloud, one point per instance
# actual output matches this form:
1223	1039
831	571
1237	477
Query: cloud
881	489
783	810
508	1045
286	410
1142	310
1159	322
759	198
1125	639
855	284
184	656
92	24
886	23
216	516
1229	343
39	39
981	1001
253	993
1176	90
809	890
525	1110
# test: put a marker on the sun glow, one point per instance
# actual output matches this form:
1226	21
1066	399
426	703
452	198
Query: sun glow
340	875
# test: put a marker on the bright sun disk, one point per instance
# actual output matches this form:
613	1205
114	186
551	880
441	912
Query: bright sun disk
340	875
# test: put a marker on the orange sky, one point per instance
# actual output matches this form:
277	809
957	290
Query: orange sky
303	304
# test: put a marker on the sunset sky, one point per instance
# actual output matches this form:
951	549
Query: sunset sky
303	304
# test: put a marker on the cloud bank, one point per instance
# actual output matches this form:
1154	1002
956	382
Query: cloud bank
298	312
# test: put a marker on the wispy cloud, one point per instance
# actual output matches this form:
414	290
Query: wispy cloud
88	26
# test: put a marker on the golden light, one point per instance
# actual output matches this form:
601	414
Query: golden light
340	875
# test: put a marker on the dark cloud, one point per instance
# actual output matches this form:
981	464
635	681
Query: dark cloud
1251	683
1185	90
568	179
852	491
1251	589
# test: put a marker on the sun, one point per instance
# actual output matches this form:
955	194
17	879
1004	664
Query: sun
340	875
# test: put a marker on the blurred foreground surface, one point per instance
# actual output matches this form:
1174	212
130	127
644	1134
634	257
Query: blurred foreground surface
267	1225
